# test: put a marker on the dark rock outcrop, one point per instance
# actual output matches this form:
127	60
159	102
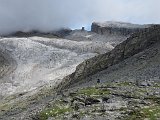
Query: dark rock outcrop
59	33
116	28
62	32
90	101
136	43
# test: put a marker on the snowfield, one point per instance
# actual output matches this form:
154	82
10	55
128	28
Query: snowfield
40	61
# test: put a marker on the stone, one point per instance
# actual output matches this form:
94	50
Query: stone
90	101
105	99
78	105
144	83
72	94
156	93
78	99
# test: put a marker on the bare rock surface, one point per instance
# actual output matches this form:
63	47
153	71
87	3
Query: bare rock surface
135	44
116	28
37	61
112	40
28	63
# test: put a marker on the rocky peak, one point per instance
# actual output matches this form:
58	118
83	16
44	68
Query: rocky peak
116	28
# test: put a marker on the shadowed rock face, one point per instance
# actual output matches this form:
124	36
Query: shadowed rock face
134	44
116	28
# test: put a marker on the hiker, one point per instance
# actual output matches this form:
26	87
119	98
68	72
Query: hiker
98	81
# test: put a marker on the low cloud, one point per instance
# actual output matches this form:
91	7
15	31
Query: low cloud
48	15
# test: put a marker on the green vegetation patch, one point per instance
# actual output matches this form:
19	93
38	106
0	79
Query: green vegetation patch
151	113
54	112
93	91
157	85
155	99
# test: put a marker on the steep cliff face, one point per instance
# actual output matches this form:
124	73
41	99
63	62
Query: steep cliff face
116	28
136	43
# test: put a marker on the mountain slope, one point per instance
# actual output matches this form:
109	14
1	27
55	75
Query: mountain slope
112	40
129	87
144	66
38	61
138	42
42	60
28	63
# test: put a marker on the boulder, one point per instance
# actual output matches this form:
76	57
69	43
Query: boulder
105	99
90	101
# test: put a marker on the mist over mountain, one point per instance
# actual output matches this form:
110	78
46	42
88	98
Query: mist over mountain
48	15
43	74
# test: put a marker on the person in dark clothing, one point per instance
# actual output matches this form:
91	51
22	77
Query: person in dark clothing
98	81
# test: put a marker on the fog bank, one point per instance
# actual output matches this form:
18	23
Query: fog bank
48	15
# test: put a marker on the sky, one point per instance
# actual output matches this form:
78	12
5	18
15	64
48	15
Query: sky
49	15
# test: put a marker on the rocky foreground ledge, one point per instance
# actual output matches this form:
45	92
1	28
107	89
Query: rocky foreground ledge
110	101
107	101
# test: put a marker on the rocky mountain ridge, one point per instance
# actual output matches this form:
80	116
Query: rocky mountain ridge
116	28
136	43
52	34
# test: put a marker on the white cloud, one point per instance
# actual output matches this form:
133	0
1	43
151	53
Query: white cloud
47	15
